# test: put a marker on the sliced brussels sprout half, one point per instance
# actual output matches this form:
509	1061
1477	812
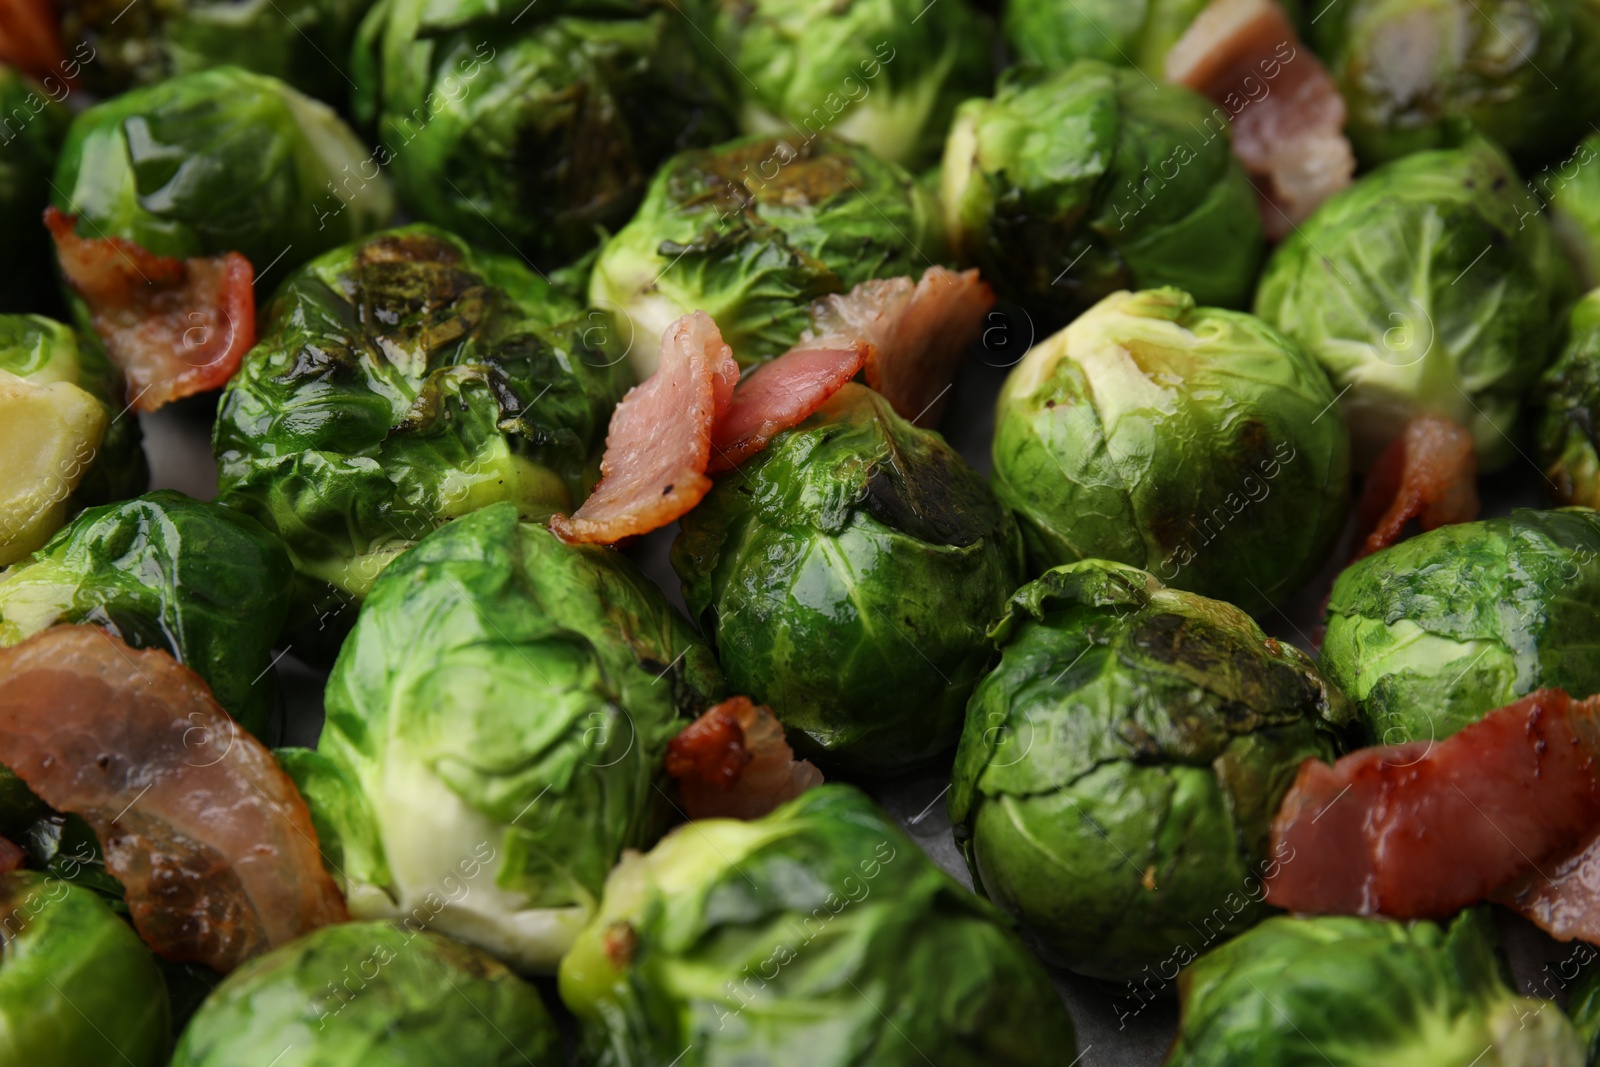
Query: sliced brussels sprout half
1569	420
33	123
1135	33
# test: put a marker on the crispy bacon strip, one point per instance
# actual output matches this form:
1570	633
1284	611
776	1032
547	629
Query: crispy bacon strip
30	37
1428	473
1287	114
1423	829
734	762
1562	899
213	845
174	326
782	394
12	858
659	442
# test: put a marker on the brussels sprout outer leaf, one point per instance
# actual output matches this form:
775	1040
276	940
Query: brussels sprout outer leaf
1569	425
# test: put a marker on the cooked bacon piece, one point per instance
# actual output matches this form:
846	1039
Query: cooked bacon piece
1423	829
215	848
1564	900
782	394
1428	473
733	762
12	858
659	443
1287	115
174	326
30	37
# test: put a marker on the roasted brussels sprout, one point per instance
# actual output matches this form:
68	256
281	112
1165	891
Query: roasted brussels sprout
1430	634
1120	767
78	986
1343	991
399	382
66	439
846	575
1199	444
1571	190
818	935
496	725
1419	74
534	131
752	232
1136	33
33	123
1430	285
202	581
303	42
1569	422
1070	185
887	74
1583	1007
373	993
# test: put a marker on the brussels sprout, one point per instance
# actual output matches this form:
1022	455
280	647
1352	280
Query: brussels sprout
846	575
818	935
1583	1008
1419	74
1199	444
1341	991
303	42
1572	192
64	438
33	123
78	986
1427	286
1137	33
535	131
496	725
1430	634
371	993
887	74
202	581
1569	423
752	232
219	161
399	382
1120	767
1072	184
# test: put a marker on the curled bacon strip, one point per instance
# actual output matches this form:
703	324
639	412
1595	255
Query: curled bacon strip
30	38
734	762
1287	114
173	326
1428	473
1423	829
779	395
214	846
12	858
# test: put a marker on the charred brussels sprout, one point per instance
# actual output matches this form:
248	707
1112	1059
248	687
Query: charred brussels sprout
496	726
847	575
755	230
887	74
33	123
1342	991
372	993
1070	185
202	581
65	438
1428	635
1120	767
534	126
1199	444
1571	190
1569	425
1430	285
1419	74
400	382
78	986
819	935
1130	32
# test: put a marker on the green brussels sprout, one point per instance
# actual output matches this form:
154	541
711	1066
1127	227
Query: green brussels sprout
1135	33
752	232
1569	420
535	131
399	382
1070	185
66	439
496	727
1571	190
303	42
887	74
1196	443
1583	1008
1342	991
205	582
371	993
57	844
217	161
1428	286
1430	634
1120	767
1420	74
846	575
33	123
818	935
78	986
